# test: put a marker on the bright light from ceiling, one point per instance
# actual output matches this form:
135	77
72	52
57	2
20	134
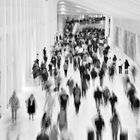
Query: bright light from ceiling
78	6
62	8
62	2
62	13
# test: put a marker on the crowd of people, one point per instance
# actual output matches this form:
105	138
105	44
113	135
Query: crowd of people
88	53
87	20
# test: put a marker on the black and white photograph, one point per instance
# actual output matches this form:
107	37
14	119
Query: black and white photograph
69	69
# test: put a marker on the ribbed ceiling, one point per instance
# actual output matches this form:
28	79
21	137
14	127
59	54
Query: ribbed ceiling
69	8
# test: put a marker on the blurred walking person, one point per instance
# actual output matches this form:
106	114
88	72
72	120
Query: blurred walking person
113	100
98	97
62	119
49	105
54	132
70	84
99	124
134	72
31	106
14	102
126	66
63	99
65	66
115	124
77	97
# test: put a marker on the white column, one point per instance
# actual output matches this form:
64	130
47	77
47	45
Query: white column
137	49
3	59
60	23
112	35
106	26
54	20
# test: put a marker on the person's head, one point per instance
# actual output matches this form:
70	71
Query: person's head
31	96
14	93
113	94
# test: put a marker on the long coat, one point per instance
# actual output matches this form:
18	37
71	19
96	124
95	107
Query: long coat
31	106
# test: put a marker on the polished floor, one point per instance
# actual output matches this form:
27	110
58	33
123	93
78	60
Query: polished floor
25	129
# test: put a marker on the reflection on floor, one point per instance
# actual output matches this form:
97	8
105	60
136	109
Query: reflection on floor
25	129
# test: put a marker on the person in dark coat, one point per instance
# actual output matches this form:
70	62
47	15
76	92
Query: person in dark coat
45	122
50	68
44	51
99	124
106	95
31	106
58	61
114	60
63	99
45	55
77	97
93	74
53	60
113	100
65	67
112	71
84	86
75	64
101	76
81	69
98	97
126	66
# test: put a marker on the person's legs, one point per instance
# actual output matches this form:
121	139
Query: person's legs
12	111
100	135
77	107
126	71
115	136
15	114
32	117
97	135
29	116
